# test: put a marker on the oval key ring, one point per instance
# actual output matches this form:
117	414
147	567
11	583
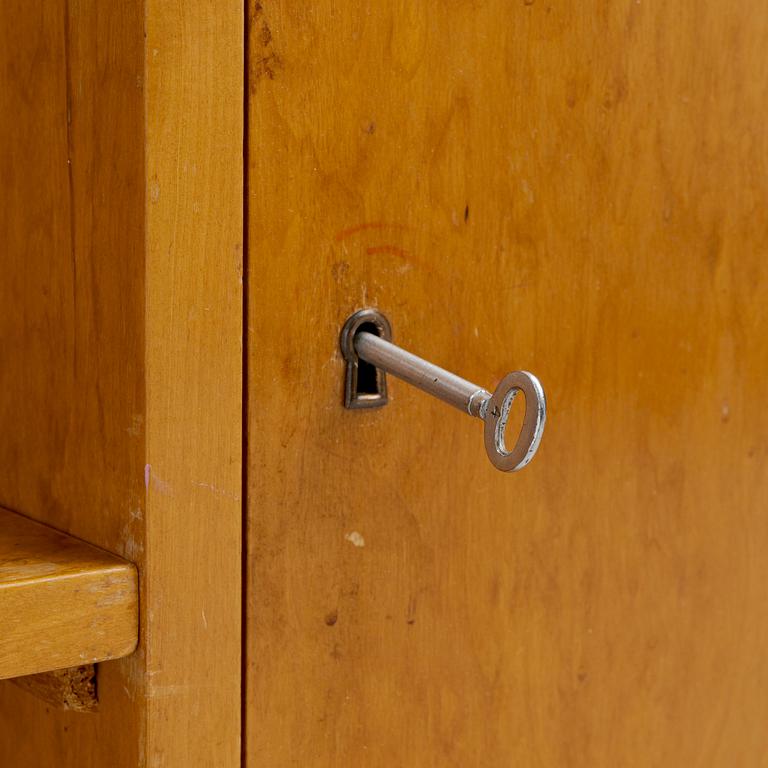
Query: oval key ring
497	415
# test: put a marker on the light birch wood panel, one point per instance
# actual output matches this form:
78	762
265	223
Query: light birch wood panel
576	189
72	407
63	602
120	352
194	330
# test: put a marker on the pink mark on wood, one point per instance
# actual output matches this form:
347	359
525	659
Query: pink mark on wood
147	471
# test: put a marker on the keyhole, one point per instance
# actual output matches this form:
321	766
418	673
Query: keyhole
368	376
365	386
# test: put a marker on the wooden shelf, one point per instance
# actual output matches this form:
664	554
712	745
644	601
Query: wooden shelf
63	603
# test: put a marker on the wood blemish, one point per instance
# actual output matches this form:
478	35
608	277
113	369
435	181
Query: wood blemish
355	538
264	61
72	689
410	614
340	270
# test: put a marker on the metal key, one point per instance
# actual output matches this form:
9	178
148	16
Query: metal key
358	343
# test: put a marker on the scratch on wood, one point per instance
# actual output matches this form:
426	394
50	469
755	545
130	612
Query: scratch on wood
219	491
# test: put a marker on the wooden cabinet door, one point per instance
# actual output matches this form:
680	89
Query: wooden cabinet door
575	189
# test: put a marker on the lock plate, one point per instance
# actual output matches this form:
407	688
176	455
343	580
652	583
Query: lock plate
365	386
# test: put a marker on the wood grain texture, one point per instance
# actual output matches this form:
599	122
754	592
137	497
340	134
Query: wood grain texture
194	332
72	408
73	688
63	602
576	190
120	352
